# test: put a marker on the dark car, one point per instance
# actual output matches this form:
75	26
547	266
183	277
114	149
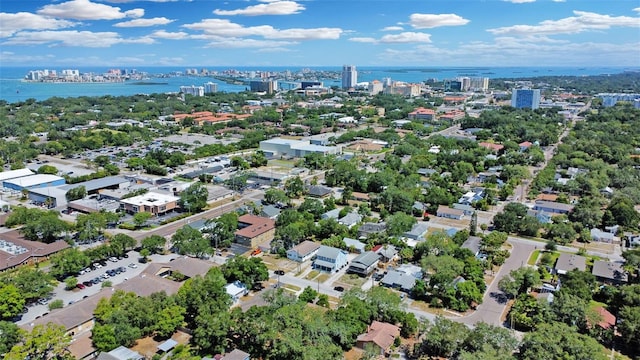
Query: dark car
279	272
338	288
87	283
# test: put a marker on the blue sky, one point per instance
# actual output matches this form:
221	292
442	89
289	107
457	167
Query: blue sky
320	32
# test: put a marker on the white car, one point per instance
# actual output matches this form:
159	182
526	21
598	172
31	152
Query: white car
133	266
97	266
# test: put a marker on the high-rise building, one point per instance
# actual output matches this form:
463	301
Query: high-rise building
525	98
479	84
349	76
192	90
210	87
265	86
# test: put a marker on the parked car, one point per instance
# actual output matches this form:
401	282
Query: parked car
133	266
80	286
87	283
97	265
113	259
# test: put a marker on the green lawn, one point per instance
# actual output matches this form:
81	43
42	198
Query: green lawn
534	257
312	274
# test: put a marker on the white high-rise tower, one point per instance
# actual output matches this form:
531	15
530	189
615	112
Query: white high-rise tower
349	76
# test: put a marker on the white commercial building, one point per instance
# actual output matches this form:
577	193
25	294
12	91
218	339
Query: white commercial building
294	148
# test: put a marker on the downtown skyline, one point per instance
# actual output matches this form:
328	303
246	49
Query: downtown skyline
320	33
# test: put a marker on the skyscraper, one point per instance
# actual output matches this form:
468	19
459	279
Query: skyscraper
525	98
349	76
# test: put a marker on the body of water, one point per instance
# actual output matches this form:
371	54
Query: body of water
13	89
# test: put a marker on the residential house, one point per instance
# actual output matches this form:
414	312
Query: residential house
541	216
236	290
547	197
491	146
254	230
607	319
567	262
331	214
364	264
426	172
525	145
270	211
609	272
354	245
358	196
604	236
471	197
371	228
303	251
386	253
553	207
380	335
399	280
237	354
468	210
473	243
351	219
330	259
449	213
417	232
319	191
120	353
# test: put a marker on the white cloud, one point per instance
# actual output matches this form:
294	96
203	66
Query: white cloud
144	22
559	0
163	34
269	8
87	10
428	21
220	27
636	9
273	50
73	38
363	39
406	37
12	23
582	21
7	57
401	38
392	28
234	43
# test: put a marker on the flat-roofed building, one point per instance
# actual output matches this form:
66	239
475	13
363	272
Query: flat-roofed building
295	148
13	174
151	202
33	181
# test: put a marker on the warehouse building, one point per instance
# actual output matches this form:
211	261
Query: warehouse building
33	182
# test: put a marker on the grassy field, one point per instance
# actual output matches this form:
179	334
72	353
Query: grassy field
323	277
352	279
534	257
312	275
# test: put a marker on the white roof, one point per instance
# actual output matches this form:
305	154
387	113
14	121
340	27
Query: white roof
150	199
12	174
32	180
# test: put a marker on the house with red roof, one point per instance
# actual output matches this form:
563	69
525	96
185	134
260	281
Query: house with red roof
422	114
379	334
491	146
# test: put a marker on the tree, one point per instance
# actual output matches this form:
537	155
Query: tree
308	295
497	338
56	304
78	192
399	223
90	226
169	319
70	283
473	224
32	283
559	341
247	271
443	338
519	281
194	198
11	301
10	335
154	243
140	218
514	219
48	169
258	159
294	187
570	310
274	196
122	242
222	230
189	241
46	228
68	262
48	341
629	326
579	283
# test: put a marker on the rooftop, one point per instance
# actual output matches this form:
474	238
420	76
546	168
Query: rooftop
36	179
150	199
254	225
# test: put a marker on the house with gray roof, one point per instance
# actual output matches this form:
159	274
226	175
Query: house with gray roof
364	264
553	207
331	214
319	191
473	243
386	252
609	272
350	220
398	280
417	232
371	228
567	262
604	236
466	209
330	259
303	251
270	212
449	213
354	245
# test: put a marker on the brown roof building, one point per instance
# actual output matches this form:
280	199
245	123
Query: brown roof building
381	335
16	251
255	230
